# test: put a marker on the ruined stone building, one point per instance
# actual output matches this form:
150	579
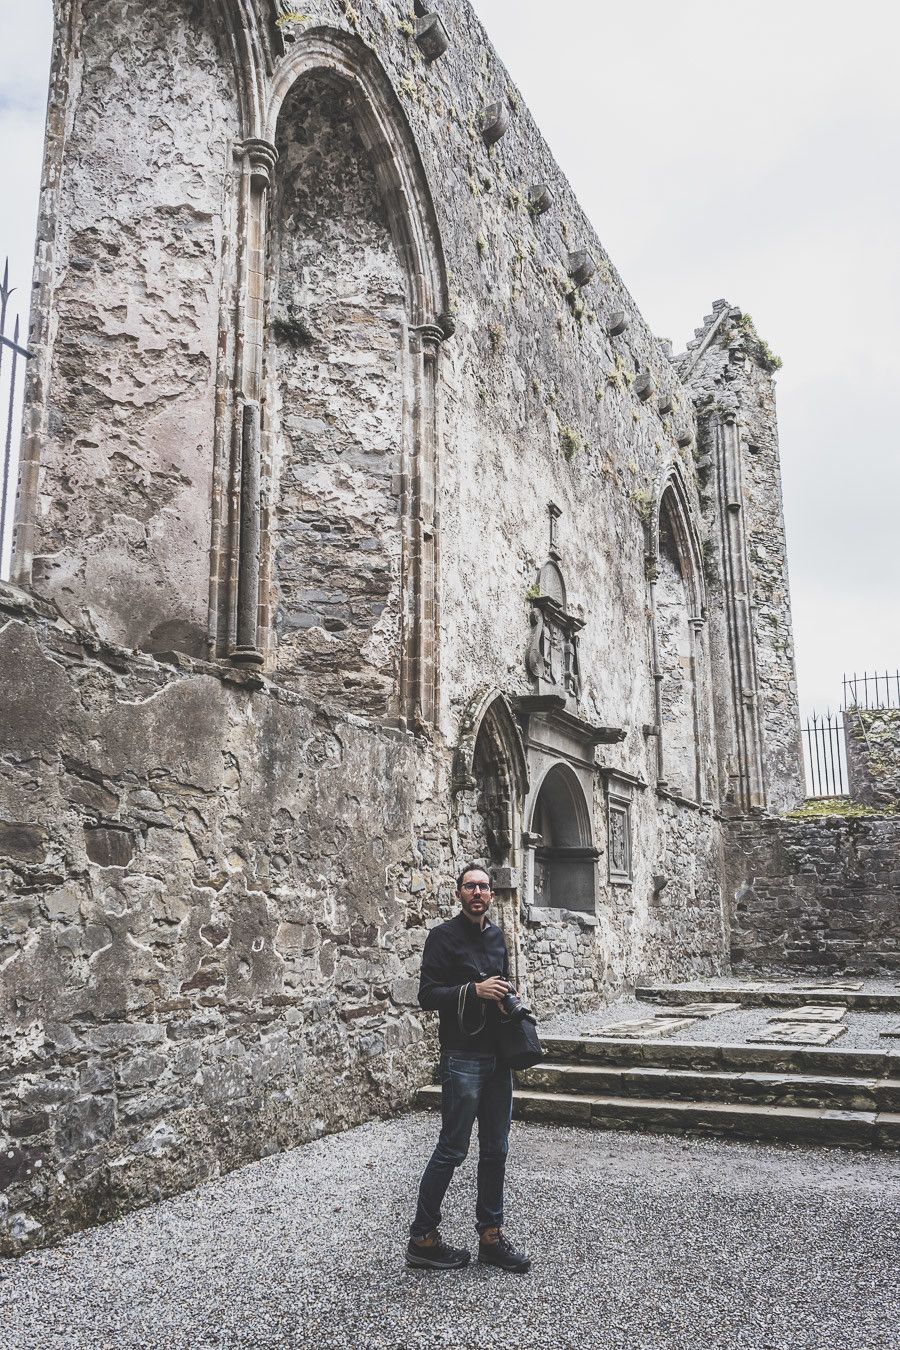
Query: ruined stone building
363	529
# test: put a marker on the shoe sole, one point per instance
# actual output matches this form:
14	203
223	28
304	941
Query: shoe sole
421	1263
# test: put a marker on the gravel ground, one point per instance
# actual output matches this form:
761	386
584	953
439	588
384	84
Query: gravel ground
640	1243
735	1028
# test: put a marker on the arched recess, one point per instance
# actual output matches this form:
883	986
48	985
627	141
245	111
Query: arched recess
397	439
490	783
132	272
490	779
678	643
565	860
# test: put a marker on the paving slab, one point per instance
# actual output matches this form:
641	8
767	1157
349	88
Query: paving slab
648	1027
640	1242
800	1033
810	1013
830	986
697	1009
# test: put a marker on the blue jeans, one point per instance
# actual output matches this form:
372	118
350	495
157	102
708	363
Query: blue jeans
471	1089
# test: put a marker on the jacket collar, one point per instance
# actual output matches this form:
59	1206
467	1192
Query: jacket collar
469	927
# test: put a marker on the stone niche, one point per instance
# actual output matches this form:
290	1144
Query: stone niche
552	659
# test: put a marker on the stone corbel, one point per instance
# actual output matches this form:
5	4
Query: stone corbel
431	36
496	123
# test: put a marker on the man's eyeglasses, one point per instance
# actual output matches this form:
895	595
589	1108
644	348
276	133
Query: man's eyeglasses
476	886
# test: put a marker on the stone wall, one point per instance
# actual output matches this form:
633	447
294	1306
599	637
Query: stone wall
209	939
872	737
820	893
331	392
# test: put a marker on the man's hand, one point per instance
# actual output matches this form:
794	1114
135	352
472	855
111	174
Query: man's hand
493	990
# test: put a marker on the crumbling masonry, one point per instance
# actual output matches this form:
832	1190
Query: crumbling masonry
363	528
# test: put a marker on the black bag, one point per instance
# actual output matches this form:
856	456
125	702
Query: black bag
517	1039
518	1042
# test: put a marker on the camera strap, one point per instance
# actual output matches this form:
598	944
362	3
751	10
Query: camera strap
461	1013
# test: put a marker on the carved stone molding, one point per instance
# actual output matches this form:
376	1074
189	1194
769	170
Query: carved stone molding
262	157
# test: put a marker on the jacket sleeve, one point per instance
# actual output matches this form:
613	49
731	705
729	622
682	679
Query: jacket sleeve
435	991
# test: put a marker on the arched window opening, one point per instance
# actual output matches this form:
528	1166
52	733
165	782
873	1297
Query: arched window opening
337	331
564	859
673	610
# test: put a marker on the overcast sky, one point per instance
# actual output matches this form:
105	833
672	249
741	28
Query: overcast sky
745	152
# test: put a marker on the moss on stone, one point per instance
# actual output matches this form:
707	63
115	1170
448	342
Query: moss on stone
818	807
570	441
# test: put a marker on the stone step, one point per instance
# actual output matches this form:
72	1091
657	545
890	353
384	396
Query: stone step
710	1056
771	996
861	1129
777	1089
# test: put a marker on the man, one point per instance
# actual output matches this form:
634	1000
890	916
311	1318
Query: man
465	969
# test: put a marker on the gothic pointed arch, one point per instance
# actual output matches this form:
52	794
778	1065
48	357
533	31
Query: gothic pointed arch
245	43
678	641
674	509
490	780
389	140
490	710
321	624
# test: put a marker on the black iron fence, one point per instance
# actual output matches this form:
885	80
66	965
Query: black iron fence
824	737
12	367
825	755
872	691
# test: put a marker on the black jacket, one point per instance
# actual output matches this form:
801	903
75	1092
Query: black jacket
458	953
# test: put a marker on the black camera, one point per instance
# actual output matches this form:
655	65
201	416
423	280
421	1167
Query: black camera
514	1008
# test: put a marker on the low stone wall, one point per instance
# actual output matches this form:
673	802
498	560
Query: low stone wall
873	755
815	893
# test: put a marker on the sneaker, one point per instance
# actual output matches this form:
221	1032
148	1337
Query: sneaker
430	1253
500	1252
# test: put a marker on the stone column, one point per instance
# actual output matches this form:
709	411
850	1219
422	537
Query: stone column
419	696
702	694
259	159
651	570
736	586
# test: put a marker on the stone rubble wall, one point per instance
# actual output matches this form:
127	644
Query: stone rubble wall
213	900
820	893
872	737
